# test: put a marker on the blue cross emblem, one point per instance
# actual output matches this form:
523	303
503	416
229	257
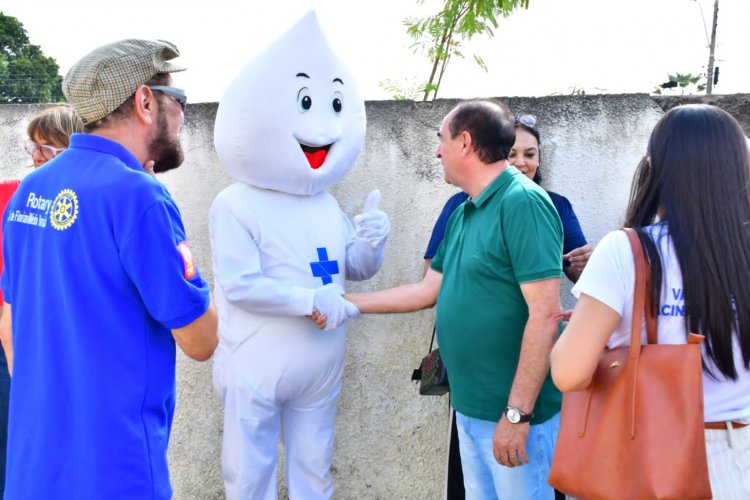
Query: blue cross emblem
324	268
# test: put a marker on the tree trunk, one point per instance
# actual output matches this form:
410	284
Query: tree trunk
435	64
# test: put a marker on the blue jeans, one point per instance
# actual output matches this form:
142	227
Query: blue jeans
485	479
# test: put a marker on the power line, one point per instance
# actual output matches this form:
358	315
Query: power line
704	21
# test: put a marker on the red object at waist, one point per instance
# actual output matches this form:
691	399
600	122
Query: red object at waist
723	425
7	188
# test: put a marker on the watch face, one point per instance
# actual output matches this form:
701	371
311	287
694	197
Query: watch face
514	416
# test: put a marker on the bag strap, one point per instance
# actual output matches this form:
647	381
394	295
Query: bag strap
434	328
416	374
645	270
641	302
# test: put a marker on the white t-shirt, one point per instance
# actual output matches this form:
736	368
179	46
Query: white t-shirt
609	277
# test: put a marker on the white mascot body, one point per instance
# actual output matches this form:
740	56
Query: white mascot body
290	126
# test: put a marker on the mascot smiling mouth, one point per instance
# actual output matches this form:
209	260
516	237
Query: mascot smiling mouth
315	155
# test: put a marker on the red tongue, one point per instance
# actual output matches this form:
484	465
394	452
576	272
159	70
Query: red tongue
317	158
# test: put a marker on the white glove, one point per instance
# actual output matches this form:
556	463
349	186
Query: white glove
372	224
329	301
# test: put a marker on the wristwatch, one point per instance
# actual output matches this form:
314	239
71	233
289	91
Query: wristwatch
517	416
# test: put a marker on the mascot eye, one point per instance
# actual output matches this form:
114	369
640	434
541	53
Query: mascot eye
304	101
337	103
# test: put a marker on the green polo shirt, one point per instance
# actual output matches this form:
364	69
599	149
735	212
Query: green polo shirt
508	235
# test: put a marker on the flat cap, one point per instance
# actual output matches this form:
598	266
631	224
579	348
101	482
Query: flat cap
105	78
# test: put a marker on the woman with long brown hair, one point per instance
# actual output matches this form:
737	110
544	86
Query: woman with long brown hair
690	205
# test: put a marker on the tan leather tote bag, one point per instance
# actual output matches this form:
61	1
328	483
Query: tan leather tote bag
637	431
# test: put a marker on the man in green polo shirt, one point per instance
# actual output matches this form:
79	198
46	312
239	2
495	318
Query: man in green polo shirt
496	281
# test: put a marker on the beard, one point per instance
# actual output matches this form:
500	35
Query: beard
166	152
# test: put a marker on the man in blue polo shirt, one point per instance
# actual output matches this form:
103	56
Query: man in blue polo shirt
100	285
496	281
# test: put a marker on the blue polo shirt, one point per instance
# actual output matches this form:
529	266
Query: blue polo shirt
97	272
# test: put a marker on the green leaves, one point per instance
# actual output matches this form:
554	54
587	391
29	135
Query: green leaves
440	36
12	35
404	90
26	74
686	82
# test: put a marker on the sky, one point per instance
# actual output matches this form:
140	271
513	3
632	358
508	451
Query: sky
554	47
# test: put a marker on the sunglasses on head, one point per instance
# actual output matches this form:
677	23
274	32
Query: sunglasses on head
174	92
528	120
48	152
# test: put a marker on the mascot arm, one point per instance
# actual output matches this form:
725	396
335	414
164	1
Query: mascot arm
362	260
238	272
364	245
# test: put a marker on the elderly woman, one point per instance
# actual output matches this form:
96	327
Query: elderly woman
49	133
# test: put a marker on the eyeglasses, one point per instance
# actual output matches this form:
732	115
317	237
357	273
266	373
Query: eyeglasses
48	152
528	120
177	94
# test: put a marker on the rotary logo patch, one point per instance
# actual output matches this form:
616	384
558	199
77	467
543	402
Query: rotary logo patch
64	210
187	259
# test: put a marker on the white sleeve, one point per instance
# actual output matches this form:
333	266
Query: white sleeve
609	274
237	269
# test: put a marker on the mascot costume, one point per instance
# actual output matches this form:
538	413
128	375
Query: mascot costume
289	127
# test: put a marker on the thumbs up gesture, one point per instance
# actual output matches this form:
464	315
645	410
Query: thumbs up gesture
372	225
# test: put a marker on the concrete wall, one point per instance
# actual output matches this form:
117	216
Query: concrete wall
390	442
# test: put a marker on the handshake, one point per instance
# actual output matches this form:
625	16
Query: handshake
330	309
372	226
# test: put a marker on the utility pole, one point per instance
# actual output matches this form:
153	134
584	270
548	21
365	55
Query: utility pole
710	70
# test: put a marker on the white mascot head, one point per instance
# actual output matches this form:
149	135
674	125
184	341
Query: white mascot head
293	120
